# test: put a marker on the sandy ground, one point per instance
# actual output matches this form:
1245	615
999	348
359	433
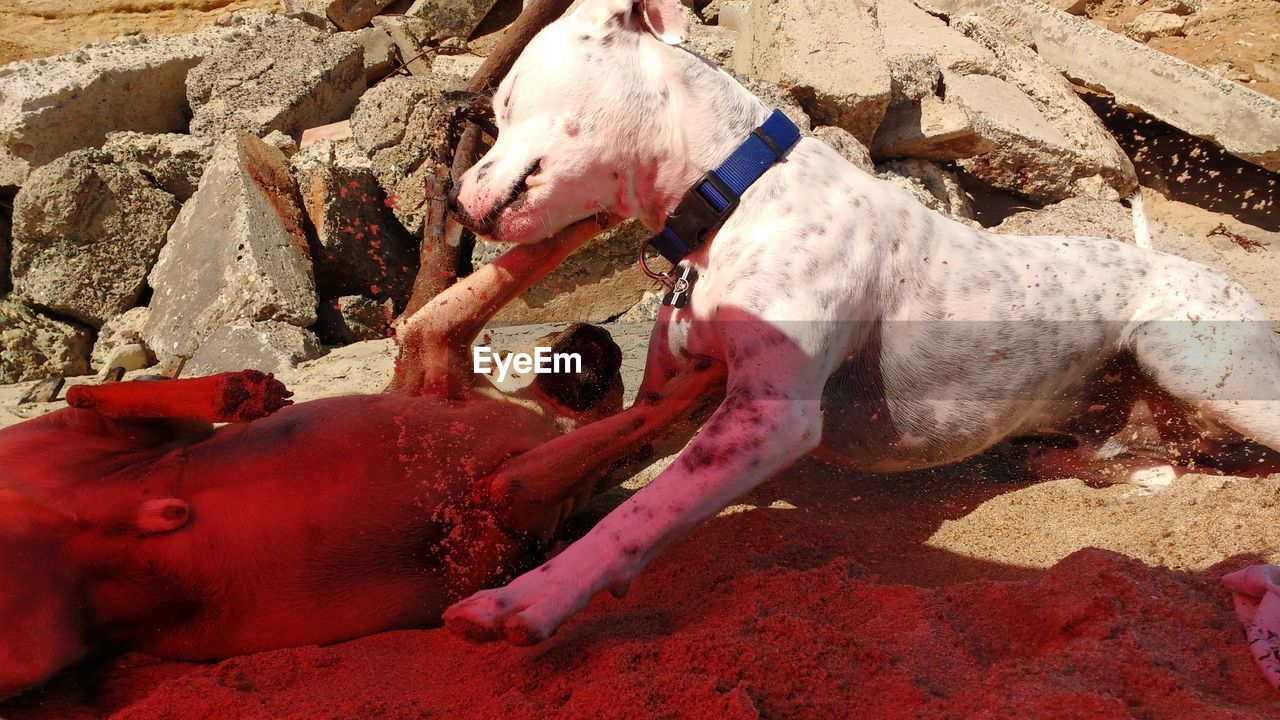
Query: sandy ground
35	28
958	592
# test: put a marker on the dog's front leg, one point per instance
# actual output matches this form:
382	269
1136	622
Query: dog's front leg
769	418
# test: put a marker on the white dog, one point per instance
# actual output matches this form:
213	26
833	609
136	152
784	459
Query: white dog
852	320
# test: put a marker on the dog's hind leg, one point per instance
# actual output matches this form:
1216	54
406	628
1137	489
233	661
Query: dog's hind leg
225	397
1225	369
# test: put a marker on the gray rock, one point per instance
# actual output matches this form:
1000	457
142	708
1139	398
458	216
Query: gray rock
119	331
358	247
935	187
354	318
86	231
809	49
451	18
401	126
1241	121
713	43
174	161
33	347
268	345
843	142
353	14
51	106
277	74
237	252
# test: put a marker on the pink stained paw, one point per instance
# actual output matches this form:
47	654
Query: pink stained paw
252	394
1256	592
525	612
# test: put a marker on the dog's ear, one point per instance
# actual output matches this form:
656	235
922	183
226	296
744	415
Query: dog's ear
665	20
660	17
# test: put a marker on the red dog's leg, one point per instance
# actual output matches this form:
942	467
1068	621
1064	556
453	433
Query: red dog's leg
225	397
527	492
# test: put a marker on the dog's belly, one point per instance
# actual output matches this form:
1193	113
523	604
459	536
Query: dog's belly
930	394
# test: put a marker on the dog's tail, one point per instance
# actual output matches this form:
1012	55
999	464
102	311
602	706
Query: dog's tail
1141	230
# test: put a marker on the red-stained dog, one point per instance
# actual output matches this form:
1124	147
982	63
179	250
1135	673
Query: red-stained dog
129	521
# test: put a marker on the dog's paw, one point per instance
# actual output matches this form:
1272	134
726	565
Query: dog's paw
528	610
251	394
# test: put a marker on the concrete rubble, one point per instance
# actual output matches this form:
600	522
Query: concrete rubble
33	346
119	332
6	243
266	345
808	49
450	18
409	35
173	160
380	53
86	232
935	187
51	106
358	247
254	267
844	143
354	318
255	85
400	125
1241	121
353	14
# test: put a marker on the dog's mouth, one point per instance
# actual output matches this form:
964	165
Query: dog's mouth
515	198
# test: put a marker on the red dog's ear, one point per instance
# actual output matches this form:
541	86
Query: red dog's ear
665	20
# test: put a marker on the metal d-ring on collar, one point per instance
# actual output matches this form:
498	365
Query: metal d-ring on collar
706	206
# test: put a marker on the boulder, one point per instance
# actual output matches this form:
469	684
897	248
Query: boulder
175	162
597	283
450	18
237	252
33	347
935	187
1155	25
1241	121
120	331
86	231
354	318
401	125
809	49
277	74
267	345
713	43
353	14
844	143
358	247
51	106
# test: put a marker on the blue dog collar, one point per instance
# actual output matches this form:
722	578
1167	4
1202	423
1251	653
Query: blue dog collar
713	198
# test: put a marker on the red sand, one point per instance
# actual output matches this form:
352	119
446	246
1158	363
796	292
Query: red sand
770	613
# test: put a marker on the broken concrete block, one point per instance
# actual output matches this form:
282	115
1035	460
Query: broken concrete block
380	56
6	243
935	187
844	143
728	14
33	346
236	252
311	12
174	161
86	232
410	35
450	18
121	330
713	43
401	125
929	128
774	96
809	50
125	358
1242	122
278	74
51	106
354	318
1155	25
268	345
284	143
1074	217
354	14
358	247
463	66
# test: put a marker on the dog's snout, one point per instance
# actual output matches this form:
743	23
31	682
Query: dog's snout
451	198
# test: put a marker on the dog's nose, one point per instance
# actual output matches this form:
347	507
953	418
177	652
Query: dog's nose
451	198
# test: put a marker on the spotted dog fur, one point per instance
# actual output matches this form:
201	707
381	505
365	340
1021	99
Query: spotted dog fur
855	322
